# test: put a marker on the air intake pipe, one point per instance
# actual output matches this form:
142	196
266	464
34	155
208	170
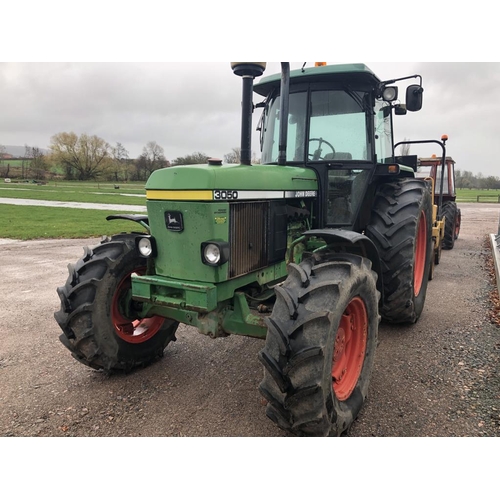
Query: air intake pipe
248	71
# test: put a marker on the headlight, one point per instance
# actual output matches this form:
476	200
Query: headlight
146	246
390	94
214	253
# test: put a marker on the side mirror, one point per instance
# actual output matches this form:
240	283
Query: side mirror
386	111
400	109
414	98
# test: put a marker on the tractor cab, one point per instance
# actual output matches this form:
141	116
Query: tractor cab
432	167
337	121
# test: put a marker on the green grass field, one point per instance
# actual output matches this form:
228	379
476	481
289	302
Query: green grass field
30	222
13	163
34	222
470	195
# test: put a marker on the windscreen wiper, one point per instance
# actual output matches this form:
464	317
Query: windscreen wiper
357	99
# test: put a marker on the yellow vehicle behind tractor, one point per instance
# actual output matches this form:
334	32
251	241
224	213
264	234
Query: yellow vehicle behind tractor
432	167
446	217
438	225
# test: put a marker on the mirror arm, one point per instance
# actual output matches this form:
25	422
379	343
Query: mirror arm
388	82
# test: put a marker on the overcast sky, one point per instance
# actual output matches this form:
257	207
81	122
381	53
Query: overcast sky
191	107
195	107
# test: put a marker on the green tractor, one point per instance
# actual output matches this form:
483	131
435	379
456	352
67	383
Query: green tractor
306	251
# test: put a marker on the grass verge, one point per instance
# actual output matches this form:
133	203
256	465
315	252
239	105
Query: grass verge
29	223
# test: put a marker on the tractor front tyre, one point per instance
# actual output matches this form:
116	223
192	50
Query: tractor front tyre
401	229
450	211
101	323
320	346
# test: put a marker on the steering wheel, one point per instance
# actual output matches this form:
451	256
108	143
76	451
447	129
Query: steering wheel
317	154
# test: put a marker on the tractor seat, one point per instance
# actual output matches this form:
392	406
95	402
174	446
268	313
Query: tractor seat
338	156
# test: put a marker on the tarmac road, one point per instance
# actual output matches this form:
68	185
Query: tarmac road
74	204
438	377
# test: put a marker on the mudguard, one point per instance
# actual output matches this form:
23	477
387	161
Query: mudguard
141	219
351	242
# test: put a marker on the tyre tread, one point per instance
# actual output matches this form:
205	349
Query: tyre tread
78	317
293	363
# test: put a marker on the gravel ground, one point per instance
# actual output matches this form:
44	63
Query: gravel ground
438	377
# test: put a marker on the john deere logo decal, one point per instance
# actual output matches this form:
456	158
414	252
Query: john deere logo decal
174	221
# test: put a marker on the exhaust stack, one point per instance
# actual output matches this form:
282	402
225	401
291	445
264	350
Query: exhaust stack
248	71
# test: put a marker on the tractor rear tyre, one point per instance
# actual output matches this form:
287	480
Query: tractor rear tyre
450	211
401	229
320	347
100	322
458	224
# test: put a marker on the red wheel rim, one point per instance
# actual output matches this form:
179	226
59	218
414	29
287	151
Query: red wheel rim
420	254
349	349
134	331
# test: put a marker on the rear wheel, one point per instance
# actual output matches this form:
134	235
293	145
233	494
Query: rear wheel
101	323
450	211
320	347
401	229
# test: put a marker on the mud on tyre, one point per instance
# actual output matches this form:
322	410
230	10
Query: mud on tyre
100	322
401	228
320	347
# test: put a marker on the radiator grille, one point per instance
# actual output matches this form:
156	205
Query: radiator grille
248	237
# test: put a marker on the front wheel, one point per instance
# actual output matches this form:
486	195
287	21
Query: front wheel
101	324
320	347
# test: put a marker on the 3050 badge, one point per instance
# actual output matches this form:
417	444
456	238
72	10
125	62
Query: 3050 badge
231	194
225	195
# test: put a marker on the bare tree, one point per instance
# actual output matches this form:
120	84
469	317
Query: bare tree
120	159
3	152
26	161
192	159
491	182
151	159
234	156
86	157
39	165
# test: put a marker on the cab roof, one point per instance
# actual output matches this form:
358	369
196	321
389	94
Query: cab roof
343	73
